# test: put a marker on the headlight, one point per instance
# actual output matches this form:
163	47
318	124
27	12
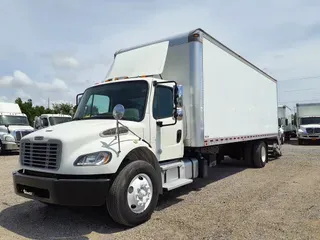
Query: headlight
9	138
300	131
93	159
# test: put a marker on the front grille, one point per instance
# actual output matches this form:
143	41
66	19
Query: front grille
317	130
21	134
309	130
40	155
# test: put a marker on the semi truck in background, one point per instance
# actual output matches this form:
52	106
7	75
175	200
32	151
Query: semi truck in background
308	122
286	122
13	126
48	120
166	112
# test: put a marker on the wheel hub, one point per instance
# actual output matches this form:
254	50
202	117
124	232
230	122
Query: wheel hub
263	154
139	193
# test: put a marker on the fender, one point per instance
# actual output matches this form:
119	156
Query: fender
143	153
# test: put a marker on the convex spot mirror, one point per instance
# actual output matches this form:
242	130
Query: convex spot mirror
118	111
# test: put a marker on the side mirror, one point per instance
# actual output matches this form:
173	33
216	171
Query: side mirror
179	102
78	98
179	96
118	111
179	113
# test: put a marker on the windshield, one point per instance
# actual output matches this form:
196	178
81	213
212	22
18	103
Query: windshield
98	102
58	120
14	120
310	120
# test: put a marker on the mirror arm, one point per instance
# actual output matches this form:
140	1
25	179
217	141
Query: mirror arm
7	126
118	134
140	138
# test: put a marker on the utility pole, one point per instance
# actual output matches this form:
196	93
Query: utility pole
48	103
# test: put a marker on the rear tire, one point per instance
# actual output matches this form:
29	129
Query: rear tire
248	154
260	154
137	180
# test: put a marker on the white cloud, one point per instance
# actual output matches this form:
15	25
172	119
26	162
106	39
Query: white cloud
5	80
18	79
21	79
65	62
22	94
291	62
3	99
56	85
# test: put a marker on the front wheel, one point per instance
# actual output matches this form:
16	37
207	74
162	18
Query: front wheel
1	148
134	193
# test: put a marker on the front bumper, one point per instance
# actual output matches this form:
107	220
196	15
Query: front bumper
10	146
309	137
75	191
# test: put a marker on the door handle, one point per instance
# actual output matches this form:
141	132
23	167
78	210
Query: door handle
179	135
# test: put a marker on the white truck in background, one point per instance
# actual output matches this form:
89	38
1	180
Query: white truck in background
286	122
308	122
48	120
166	112
13	126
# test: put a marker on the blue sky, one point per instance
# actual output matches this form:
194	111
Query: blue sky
57	48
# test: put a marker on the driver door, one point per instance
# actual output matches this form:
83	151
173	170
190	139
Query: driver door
168	139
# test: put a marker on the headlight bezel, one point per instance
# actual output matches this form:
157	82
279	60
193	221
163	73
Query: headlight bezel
100	158
9	138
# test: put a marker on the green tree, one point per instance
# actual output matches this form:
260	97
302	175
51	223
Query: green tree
63	108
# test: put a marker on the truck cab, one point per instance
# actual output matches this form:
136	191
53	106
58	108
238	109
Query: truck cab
308	121
14	125
47	120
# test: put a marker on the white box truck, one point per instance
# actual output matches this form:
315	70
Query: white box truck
308	122
14	125
166	112
286	122
48	120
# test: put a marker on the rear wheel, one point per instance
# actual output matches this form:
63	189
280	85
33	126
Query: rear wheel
260	154
248	154
134	194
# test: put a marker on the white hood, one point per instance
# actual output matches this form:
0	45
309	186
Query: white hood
83	130
16	128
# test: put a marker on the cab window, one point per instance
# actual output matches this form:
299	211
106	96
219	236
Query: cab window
163	102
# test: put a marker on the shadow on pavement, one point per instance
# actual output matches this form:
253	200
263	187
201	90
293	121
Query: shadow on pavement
10	153
37	221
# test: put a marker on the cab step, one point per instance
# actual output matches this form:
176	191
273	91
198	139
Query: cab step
167	166
176	183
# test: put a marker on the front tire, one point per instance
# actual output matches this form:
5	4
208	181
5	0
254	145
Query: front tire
260	154
134	194
1	148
